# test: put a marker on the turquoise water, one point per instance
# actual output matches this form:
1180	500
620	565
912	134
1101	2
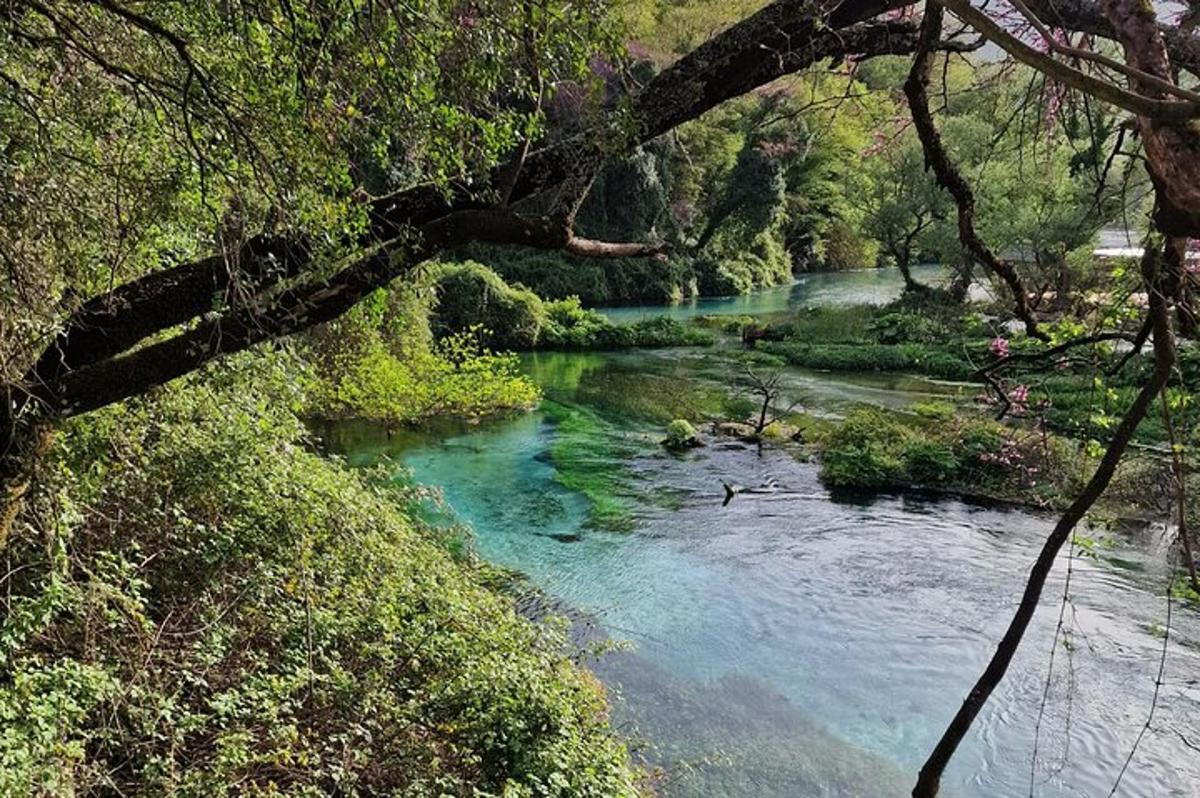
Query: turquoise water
793	644
867	286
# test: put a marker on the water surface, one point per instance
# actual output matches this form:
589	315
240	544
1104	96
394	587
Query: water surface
797	644
858	287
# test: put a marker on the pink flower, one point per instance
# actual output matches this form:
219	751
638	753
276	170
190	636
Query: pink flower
999	347
1019	395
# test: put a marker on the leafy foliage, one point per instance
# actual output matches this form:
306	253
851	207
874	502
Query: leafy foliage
263	620
380	361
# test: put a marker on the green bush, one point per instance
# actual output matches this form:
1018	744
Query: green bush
934	411
470	295
846	247
570	326
895	328
454	377
680	434
916	358
609	281
979	439
865	451
930	462
216	610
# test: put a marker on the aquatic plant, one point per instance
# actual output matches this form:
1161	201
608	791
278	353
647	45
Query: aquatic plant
681	435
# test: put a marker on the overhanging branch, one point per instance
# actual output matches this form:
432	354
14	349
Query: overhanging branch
916	89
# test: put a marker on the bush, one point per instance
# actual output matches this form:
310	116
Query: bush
934	411
980	439
865	451
929	462
611	281
895	328
680	435
845	247
915	358
265	621
455	377
470	295
570	326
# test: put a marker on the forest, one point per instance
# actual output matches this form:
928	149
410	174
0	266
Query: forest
549	398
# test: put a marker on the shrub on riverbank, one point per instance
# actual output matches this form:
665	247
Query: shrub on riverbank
381	361
199	605
874	449
943	362
609	281
473	297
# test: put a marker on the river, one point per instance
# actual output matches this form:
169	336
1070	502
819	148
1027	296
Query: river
796	644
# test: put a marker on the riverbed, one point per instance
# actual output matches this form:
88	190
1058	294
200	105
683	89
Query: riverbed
794	643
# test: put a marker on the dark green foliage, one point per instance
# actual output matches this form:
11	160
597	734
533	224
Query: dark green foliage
474	298
470	295
930	462
216	610
865	451
874	449
942	362
616	281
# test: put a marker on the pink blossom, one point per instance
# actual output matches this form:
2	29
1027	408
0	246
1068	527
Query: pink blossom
1019	395
1000	347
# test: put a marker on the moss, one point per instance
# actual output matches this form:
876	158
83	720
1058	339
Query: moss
588	461
680	435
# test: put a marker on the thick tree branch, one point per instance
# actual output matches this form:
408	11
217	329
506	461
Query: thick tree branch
916	89
112	323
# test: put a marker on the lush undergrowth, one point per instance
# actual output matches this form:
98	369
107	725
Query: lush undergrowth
1082	396
938	449
196	604
473	297
382	362
762	263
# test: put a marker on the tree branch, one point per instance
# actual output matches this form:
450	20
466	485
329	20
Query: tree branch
1161	278
916	89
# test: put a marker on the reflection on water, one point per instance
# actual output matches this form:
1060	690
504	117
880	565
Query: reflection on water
862	287
793	645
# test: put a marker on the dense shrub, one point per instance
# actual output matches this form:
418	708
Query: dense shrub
864	451
845	247
216	610
455	377
931	360
381	361
610	281
929	462
470	295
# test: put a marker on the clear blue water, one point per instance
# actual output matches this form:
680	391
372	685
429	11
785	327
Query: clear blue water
792	644
866	286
